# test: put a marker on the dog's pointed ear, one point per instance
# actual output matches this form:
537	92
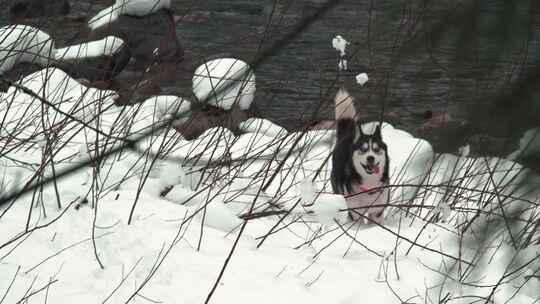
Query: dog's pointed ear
377	133
360	131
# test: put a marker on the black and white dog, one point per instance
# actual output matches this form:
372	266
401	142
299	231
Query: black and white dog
359	163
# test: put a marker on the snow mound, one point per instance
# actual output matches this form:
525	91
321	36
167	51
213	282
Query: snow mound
254	146
214	213
24	43
410	160
137	8
168	106
529	144
153	113
327	207
103	47
68	106
262	126
104	17
233	76
464	179
214	144
314	255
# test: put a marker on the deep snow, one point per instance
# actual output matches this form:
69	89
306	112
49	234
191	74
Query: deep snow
161	217
119	232
175	245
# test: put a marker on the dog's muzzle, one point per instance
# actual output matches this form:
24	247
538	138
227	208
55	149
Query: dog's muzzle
371	168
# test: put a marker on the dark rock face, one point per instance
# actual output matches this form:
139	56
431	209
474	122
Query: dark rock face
487	145
97	68
532	162
204	118
16	72
37	8
240	7
135	93
151	38
323	125
416	80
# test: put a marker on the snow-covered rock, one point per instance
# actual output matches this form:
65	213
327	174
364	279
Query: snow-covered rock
340	44
215	75
212	145
24	43
464	151
141	7
94	60
529	144
263	126
137	8
104	17
306	141
168	106
69	105
104	47
362	78
158	109
254	145
151	38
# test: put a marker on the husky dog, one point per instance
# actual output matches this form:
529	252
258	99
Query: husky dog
359	163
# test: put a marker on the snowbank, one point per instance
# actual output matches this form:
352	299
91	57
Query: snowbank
66	105
24	43
132	253
211	77
185	216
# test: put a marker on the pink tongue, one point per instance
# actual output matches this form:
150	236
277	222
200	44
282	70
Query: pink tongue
376	169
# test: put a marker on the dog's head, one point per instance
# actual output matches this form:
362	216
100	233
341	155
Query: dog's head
357	157
370	154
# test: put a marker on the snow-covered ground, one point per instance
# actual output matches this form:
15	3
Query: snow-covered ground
119	233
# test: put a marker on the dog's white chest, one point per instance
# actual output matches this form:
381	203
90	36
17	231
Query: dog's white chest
367	202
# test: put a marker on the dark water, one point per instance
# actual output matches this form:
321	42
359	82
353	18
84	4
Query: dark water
443	72
422	57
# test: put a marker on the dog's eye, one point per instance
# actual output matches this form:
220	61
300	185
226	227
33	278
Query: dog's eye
377	150
364	148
